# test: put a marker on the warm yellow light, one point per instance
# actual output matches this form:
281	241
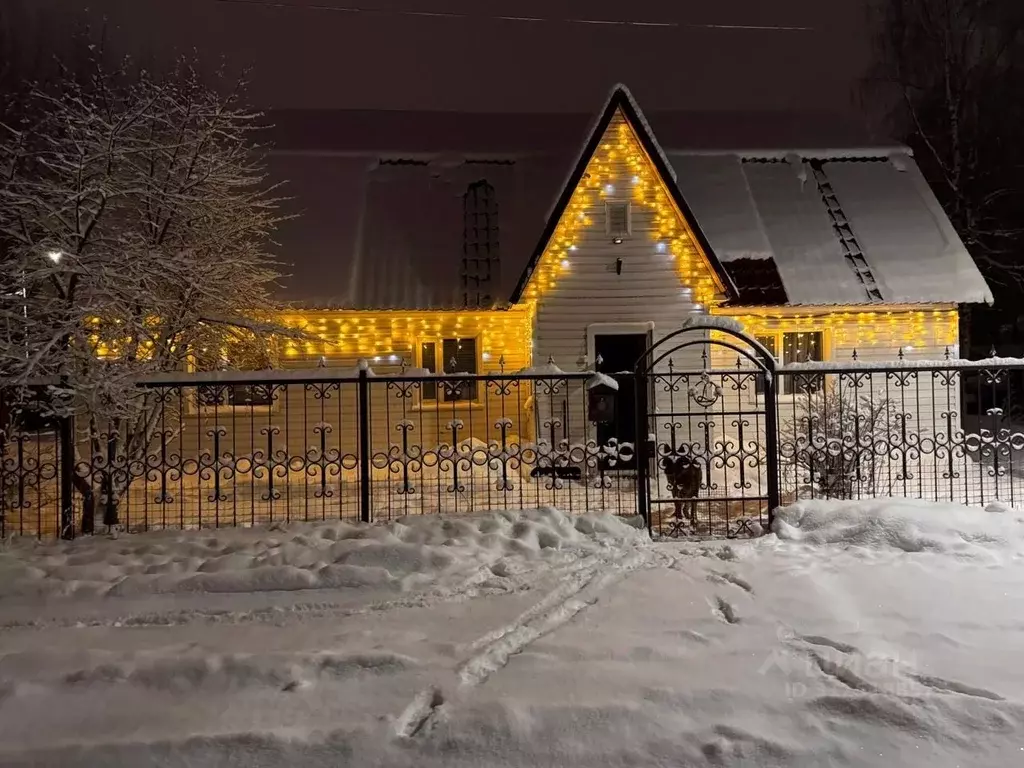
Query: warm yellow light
367	334
852	329
604	175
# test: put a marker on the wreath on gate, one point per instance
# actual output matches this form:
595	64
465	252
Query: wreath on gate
705	392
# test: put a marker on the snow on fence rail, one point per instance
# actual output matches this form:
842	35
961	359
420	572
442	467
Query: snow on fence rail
243	448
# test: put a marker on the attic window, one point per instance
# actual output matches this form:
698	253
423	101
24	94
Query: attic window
619	219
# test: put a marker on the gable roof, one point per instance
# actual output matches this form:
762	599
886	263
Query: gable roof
622	100
381	226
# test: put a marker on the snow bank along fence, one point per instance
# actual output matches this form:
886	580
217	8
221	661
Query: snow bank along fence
235	448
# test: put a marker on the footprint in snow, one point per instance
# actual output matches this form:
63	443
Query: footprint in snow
725	611
724	577
421	714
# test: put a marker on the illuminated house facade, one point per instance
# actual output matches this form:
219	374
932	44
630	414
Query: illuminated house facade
460	255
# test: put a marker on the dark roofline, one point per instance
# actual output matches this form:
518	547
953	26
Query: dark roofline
620	99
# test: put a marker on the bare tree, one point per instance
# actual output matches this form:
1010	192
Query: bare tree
950	73
135	215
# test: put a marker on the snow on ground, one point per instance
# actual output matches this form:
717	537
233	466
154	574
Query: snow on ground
859	634
402	554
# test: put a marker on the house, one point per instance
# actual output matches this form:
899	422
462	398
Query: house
462	252
497	244
494	244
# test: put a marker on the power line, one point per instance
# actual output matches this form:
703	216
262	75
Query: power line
521	19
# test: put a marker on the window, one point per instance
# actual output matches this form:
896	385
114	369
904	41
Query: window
451	356
428	357
232	395
797	347
235	395
618	217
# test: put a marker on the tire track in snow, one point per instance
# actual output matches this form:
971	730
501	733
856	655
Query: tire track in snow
942	685
491	651
556	609
471	587
573	579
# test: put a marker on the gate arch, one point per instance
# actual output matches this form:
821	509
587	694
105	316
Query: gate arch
709	465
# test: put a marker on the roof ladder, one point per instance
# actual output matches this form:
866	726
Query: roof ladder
855	258
480	245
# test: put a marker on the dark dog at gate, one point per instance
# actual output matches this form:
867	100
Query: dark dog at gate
684	477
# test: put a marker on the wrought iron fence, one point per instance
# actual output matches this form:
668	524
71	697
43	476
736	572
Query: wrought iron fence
234	449
309	445
950	431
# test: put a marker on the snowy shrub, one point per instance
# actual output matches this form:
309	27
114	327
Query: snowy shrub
837	442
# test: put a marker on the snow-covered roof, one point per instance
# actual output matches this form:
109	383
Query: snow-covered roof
775	207
381	224
373	234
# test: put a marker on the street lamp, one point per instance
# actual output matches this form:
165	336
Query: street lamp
55	256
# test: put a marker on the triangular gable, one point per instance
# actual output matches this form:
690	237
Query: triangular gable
621	101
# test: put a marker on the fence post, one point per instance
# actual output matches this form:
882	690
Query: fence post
364	446
771	424
642	460
67	470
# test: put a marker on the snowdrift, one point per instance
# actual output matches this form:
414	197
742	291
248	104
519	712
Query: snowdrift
404	554
909	525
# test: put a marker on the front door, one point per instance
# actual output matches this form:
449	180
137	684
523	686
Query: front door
616	354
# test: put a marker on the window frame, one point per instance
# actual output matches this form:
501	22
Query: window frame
437	401
608	218
193	406
779	335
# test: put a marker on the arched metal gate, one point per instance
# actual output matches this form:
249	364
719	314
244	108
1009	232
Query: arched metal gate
709	465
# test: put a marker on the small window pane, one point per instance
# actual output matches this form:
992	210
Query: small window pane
459	356
768	342
428	360
804	347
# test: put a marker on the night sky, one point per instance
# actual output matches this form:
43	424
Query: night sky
307	58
